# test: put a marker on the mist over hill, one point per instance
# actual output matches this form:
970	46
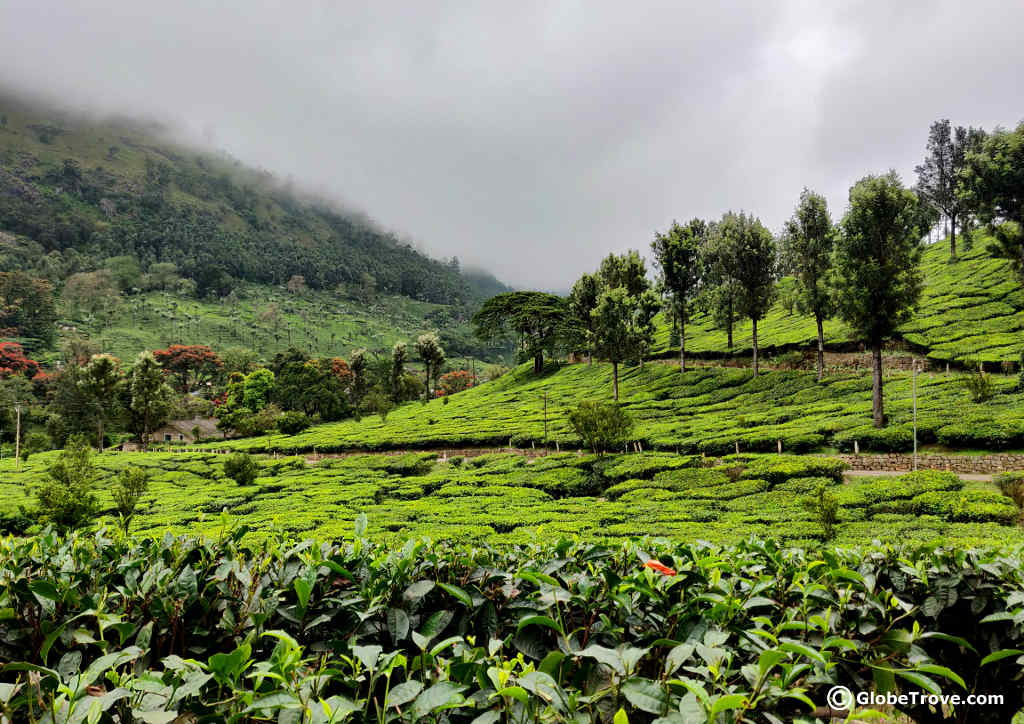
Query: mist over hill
76	189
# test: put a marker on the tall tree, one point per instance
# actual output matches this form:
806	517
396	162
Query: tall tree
629	272
622	322
678	254
430	351
937	177
877	263
399	356
360	382
92	294
99	381
624	270
993	186
190	365
151	397
807	240
536	319
719	291
581	303
748	257
26	306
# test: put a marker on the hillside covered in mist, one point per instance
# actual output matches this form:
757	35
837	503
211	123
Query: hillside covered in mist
75	191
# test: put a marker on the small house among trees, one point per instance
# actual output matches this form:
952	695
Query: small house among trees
184	431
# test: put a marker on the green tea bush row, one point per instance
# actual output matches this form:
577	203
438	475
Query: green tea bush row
104	628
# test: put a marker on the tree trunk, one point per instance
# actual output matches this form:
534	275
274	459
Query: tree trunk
615	380
876	385
426	382
728	325
821	347
755	346
590	358
100	446
952	236
538	363
682	346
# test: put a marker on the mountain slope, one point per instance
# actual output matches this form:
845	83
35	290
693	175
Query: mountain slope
75	190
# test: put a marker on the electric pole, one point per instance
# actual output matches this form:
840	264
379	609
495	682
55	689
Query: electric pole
17	437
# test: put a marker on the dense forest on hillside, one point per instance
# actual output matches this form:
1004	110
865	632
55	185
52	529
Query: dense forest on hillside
74	191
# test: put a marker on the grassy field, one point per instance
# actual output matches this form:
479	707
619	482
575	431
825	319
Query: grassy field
706	410
972	308
502	498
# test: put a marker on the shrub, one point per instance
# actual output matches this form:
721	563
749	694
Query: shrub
778	469
241	468
293	422
132	484
258	423
979	386
378	403
68	499
37	442
825	508
969	505
15	523
602	425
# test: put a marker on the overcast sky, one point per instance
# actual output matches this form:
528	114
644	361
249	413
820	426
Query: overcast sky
532	138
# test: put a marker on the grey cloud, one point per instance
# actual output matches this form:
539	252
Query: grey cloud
533	138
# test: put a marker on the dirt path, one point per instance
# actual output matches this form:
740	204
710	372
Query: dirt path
982	477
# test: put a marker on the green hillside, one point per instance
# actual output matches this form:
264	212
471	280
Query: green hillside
706	410
972	308
74	190
323	323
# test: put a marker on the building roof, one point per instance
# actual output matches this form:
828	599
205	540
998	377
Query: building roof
207	425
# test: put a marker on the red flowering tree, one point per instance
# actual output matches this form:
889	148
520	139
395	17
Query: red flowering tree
14	362
189	365
456	381
340	369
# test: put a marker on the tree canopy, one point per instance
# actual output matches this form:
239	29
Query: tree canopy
808	238
877	262
993	184
678	254
535	320
748	257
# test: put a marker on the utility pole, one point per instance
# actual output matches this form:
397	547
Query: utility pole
915	415
17	437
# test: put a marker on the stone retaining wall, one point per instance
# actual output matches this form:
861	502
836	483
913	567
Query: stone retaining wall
995	463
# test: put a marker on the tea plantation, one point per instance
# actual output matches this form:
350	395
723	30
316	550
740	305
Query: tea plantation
502	498
103	628
705	410
972	308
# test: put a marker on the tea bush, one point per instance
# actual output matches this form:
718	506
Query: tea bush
105	628
504	498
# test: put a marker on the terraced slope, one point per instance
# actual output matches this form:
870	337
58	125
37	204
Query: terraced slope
706	410
503	499
971	309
